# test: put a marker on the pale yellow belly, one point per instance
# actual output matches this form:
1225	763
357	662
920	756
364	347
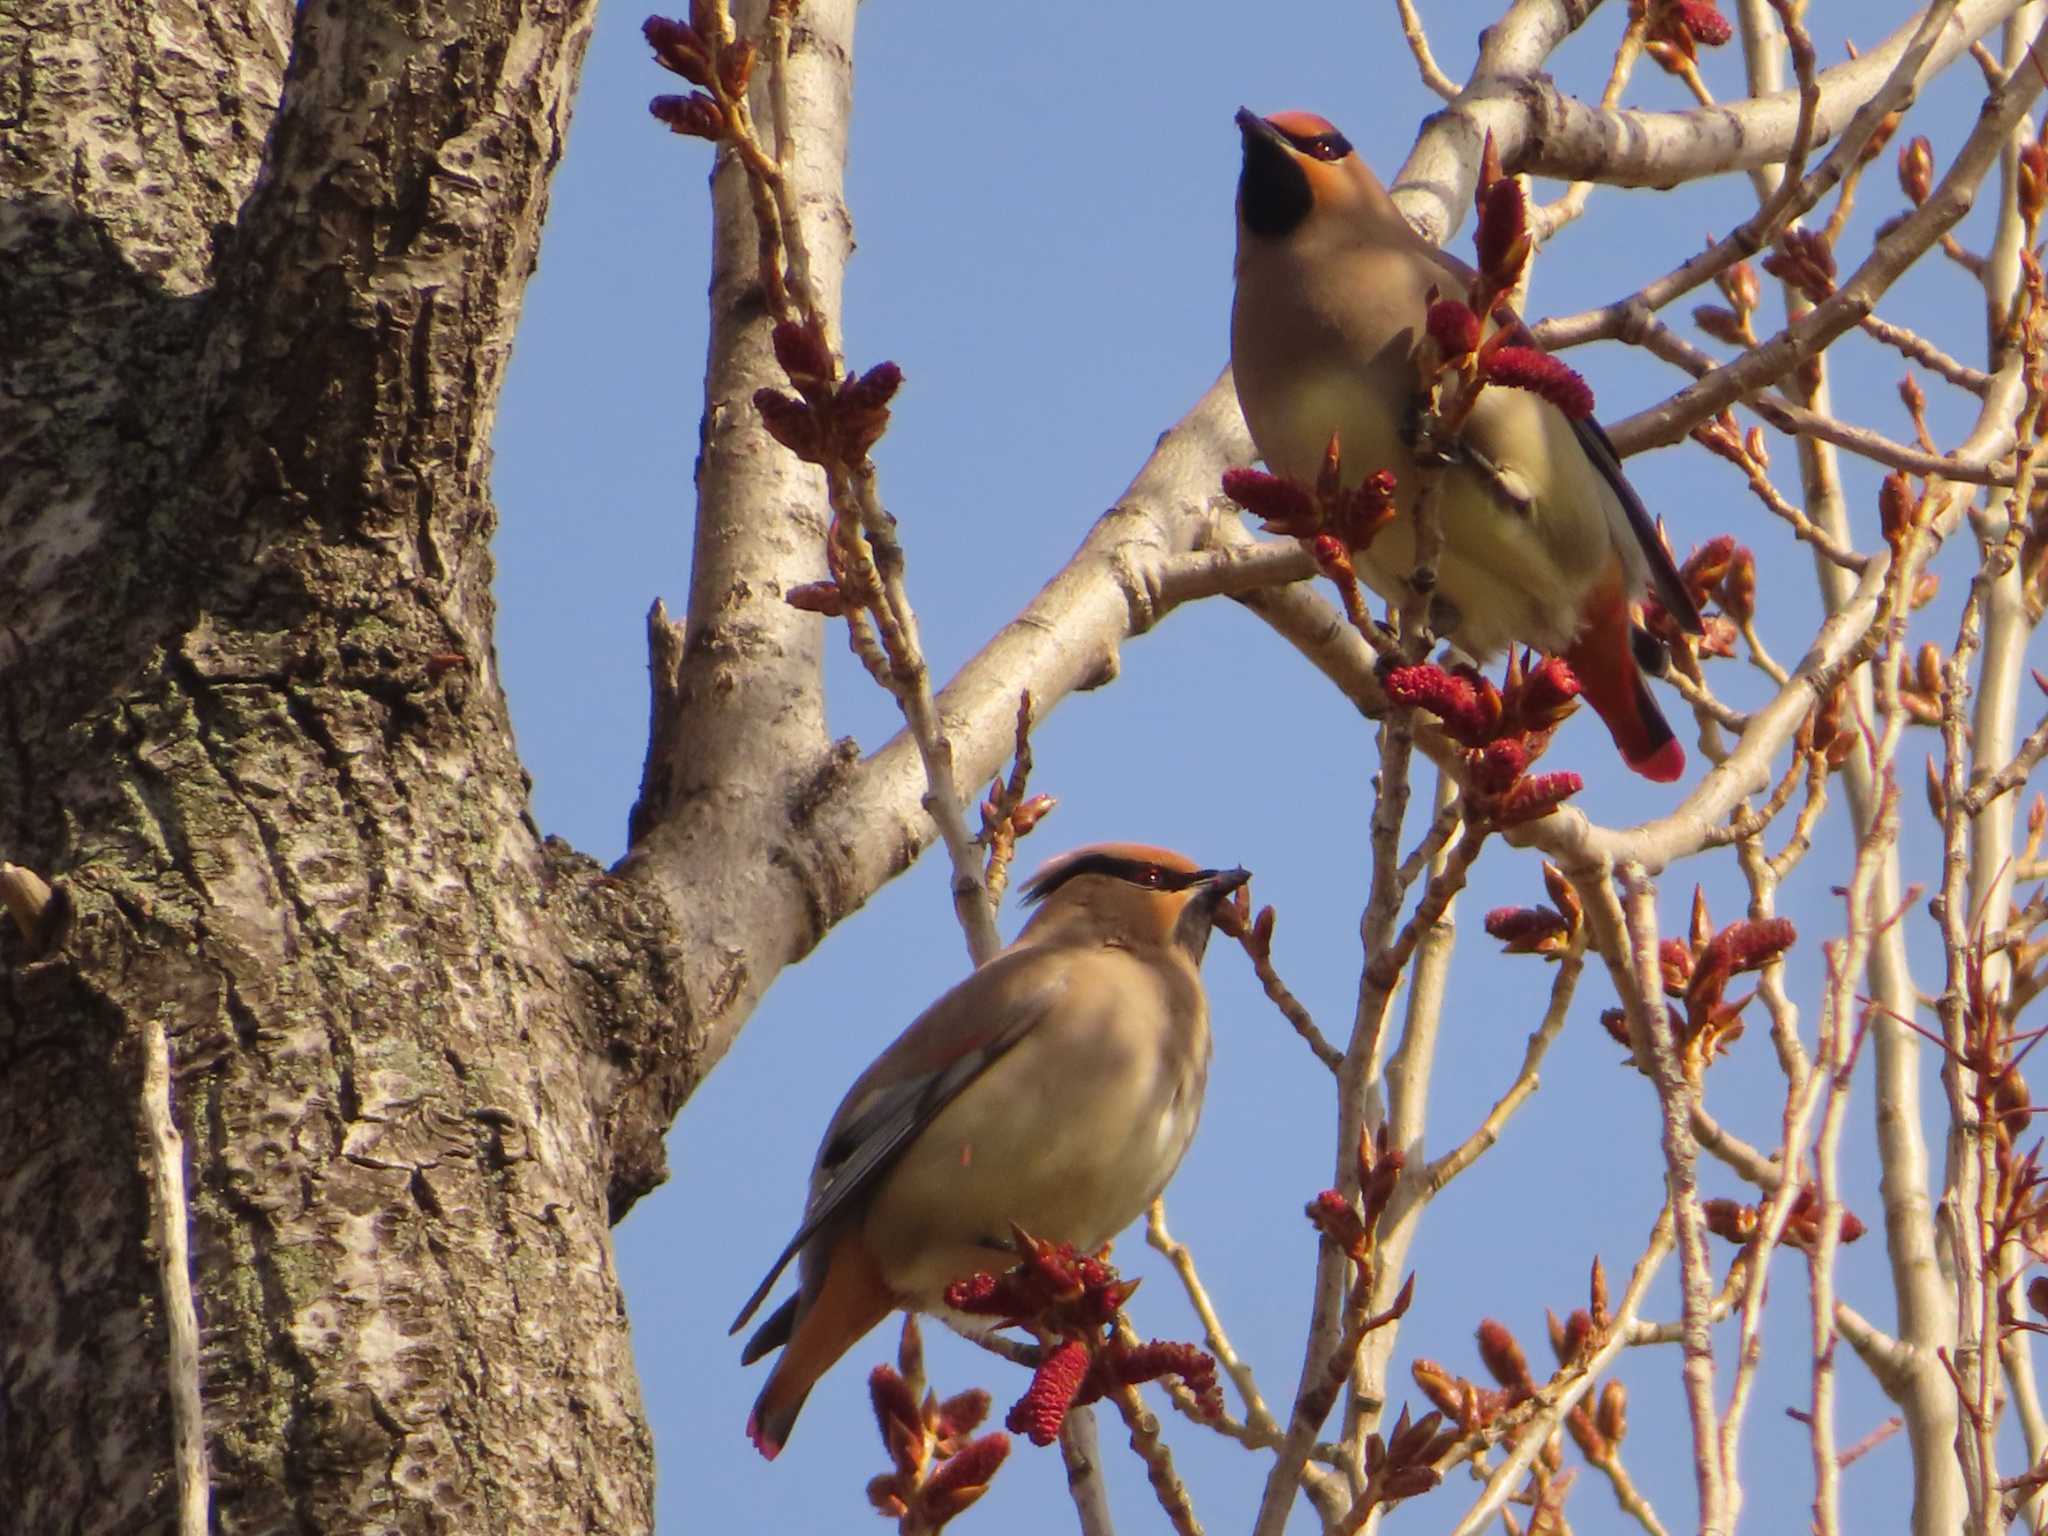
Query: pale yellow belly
1513	575
1071	1143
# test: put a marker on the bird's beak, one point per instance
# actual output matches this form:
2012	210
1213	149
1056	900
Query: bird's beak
1199	915
1219	883
1253	126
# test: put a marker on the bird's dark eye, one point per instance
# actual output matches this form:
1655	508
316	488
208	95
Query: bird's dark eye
1329	146
1151	877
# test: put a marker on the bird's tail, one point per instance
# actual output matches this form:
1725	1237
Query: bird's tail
849	1302
1604	660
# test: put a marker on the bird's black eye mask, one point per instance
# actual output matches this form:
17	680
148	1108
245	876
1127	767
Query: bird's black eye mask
1320	146
1142	873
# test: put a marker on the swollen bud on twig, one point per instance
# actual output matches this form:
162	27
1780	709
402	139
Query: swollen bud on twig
817	597
1454	328
678	48
1740	287
1503	1357
736	67
1736	589
801	349
1880	136
964	1478
898	1417
1724	325
1502	238
696	115
1806	261
2032	182
1612	1414
1898	511
1916	169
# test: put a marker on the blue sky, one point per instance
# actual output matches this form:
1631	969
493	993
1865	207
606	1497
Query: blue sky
1042	199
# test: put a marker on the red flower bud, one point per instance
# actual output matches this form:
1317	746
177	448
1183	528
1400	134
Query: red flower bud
1721	324
1528	930
1674	964
1503	1356
1332	558
962	1479
1282	506
1549	692
736	67
860	413
1707	26
801	350
1537	795
1746	946
896	1412
791	423
695	114
1729	1219
1707	565
1578	1335
1498	764
817	597
1502	238
1454	328
678	49
961	1414
1736	590
1337	1219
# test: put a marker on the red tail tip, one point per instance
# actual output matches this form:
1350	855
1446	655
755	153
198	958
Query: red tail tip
1662	766
769	1447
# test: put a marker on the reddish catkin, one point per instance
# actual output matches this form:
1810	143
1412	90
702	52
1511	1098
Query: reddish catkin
1540	374
1038	1414
1449	697
1709	28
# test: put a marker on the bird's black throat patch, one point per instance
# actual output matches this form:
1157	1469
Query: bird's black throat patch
1273	195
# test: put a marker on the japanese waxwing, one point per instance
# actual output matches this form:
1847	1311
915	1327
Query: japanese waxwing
1055	1088
1545	543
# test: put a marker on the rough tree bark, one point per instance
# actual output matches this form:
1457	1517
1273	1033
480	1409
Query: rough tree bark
260	273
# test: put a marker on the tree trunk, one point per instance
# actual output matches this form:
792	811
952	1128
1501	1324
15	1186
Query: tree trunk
260	272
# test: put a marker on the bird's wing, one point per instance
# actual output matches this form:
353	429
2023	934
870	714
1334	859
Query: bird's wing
1599	451
1664	578
926	1068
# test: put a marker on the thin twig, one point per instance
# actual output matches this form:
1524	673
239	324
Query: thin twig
1257	1416
1650	1023
1433	77
1166	1483
1081	1450
1466	1153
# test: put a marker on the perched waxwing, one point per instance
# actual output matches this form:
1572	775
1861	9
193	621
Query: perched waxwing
1545	543
1054	1089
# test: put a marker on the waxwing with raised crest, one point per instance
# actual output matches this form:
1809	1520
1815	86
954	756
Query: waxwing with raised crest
1054	1089
1545	542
